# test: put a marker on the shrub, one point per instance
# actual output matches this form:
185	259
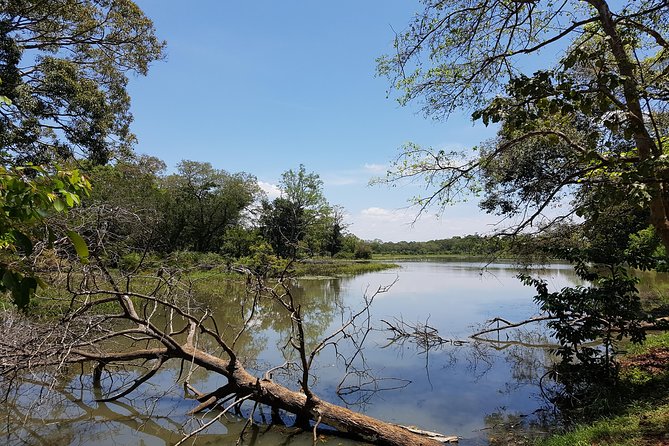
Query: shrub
363	251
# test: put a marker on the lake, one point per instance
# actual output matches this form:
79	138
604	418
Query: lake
473	390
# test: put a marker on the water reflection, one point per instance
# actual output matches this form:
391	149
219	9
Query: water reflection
455	389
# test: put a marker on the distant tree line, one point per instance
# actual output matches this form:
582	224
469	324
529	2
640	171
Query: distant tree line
202	209
469	245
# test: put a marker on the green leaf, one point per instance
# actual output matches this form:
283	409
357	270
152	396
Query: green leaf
69	199
59	205
79	245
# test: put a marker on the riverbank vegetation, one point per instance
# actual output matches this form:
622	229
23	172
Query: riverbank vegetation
465	246
637	410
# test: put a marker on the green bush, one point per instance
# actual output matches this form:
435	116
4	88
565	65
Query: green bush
363	251
129	262
345	255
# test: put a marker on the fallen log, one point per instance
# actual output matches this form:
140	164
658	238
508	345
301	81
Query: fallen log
267	392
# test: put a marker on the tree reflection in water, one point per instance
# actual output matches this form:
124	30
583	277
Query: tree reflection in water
529	355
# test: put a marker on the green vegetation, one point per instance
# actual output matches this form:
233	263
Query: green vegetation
301	220
202	209
330	268
642	428
63	72
64	69
27	195
469	245
639	407
586	134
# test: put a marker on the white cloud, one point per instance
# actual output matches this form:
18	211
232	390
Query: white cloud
375	213
375	168
272	190
401	224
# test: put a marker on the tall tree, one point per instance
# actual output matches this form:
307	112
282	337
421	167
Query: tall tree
203	203
585	134
334	234
64	66
592	116
286	221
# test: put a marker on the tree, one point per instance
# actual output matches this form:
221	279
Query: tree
203	203
127	199
334	237
596	116
64	67
63	93
287	220
303	189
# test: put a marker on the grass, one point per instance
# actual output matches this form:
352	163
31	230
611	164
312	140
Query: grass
656	340
640	428
337	268
642	414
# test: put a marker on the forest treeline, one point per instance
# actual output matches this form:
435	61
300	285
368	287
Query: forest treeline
468	245
201	209
198	208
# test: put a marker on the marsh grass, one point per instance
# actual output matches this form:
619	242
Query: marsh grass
338	268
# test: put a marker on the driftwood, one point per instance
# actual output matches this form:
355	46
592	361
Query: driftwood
422	334
111	327
507	325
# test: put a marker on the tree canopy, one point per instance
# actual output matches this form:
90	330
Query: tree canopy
63	66
578	91
203	203
300	214
592	116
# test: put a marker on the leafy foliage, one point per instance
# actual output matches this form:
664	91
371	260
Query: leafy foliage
28	195
202	203
580	156
596	116
64	68
300	220
608	310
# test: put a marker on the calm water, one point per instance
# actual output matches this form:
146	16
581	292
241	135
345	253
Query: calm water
475	390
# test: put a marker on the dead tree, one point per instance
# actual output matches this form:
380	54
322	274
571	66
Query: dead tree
111	321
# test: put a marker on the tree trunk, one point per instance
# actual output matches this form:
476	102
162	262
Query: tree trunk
659	201
265	391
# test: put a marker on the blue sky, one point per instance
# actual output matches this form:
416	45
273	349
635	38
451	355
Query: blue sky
263	86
